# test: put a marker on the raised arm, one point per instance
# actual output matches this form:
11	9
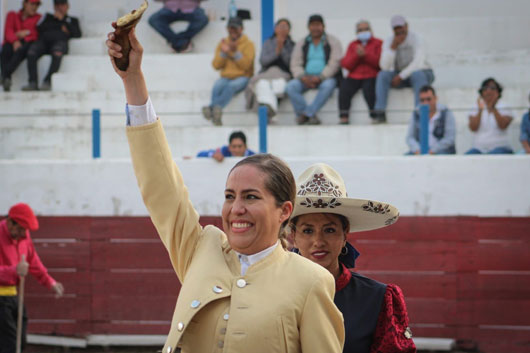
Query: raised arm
160	182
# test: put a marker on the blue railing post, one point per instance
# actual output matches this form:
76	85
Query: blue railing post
263	120
424	129
96	133
267	19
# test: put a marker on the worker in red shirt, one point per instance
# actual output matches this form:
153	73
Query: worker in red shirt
20	30
362	62
17	258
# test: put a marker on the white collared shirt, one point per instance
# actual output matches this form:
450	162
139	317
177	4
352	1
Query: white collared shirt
248	260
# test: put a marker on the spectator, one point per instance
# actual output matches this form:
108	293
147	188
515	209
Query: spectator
20	31
266	87
237	147
234	57
362	62
525	132
54	32
315	64
403	63
442	129
489	121
179	10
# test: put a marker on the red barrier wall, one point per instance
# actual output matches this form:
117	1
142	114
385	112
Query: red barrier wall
463	277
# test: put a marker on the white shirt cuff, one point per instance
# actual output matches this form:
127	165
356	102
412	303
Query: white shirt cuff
140	114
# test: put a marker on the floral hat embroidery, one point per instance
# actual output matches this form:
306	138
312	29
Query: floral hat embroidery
320	189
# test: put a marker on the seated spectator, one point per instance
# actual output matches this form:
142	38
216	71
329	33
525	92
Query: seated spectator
266	87
179	10
315	64
403	63
234	57
362	62
442	131
489	121
19	32
237	147
525	132
54	32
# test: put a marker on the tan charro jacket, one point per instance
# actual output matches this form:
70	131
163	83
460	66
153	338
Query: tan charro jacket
284	303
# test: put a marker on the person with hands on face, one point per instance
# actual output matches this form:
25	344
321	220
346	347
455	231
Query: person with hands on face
54	32
237	147
442	126
238	293
403	64
268	86
18	258
234	58
315	64
489	121
362	62
19	32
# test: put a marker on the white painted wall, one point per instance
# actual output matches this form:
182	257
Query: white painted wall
422	186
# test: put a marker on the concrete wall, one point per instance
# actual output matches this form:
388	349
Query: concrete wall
418	186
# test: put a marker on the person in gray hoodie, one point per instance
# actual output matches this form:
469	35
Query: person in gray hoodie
268	86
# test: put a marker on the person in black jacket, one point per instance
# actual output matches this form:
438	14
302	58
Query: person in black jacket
54	32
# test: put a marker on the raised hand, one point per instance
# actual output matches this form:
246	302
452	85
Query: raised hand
135	55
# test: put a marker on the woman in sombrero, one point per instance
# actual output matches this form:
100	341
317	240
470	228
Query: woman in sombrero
375	315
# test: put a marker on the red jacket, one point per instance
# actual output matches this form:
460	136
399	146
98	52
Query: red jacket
15	23
363	67
11	252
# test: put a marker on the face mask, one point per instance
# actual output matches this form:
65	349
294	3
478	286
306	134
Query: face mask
364	36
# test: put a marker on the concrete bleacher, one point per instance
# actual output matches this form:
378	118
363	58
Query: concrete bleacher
463	50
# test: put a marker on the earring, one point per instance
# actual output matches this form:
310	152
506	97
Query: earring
344	250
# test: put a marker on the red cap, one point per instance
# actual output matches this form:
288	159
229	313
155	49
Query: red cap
23	215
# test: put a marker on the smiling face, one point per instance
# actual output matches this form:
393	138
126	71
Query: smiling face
251	215
320	237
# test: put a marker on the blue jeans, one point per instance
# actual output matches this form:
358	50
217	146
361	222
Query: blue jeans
496	150
295	90
417	80
224	89
161	20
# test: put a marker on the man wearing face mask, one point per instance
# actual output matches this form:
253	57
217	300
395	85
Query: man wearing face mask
362	62
403	64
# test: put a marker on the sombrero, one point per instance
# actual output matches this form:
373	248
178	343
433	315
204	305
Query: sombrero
320	189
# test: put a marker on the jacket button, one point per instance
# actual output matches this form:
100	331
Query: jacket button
222	331
180	326
169	349
195	304
241	283
217	289
220	344
225	317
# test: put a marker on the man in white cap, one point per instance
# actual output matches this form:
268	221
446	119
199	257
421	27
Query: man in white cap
403	64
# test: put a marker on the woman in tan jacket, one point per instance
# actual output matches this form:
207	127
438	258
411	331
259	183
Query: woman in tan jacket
241	290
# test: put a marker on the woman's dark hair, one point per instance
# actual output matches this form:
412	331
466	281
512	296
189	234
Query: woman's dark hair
279	180
345	223
283	20
486	83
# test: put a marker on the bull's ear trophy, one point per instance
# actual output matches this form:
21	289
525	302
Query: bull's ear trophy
124	25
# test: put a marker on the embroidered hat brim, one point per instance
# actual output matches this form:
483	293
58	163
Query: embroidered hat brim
321	190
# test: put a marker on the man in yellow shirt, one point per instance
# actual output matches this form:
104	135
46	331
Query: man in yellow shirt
234	57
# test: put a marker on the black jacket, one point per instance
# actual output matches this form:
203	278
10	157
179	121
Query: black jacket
50	29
